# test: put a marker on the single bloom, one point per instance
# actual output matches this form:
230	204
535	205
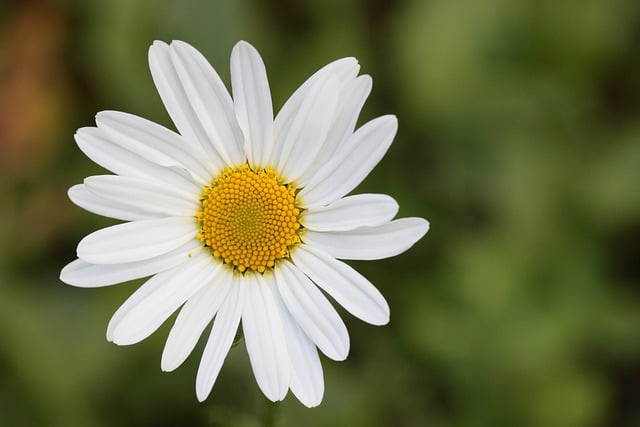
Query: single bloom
240	218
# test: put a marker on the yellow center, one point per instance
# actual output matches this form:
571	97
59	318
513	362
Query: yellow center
248	218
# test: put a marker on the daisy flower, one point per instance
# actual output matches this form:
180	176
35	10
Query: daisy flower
240	218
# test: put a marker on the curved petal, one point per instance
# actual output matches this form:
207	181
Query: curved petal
153	143
252	102
366	243
143	318
210	101
264	336
353	94
81	273
176	101
136	241
348	287
350	164
306	381
144	195
100	148
309	127
220	340
97	145
312	311
91	202
351	212
192	320
345	68
148	288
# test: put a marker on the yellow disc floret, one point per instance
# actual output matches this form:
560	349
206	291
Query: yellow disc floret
249	219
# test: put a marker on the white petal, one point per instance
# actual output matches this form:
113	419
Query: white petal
351	212
81	273
210	101
312	311
177	102
351	163
264	336
353	94
147	316
309	127
348	287
87	200
306	381
155	144
148	288
100	147
382	241
149	197
220	340
193	318
135	241
252	102
346	69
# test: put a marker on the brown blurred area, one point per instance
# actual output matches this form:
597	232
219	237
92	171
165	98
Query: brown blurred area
34	86
35	94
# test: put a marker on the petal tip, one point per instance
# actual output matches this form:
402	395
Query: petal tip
156	50
165	366
158	44
182	46
167	363
339	356
385	321
202	392
73	191
66	274
313	402
381	316
83	131
64	277
244	47
423	226
392	119
243	44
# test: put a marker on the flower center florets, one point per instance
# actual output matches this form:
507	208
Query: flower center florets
249	219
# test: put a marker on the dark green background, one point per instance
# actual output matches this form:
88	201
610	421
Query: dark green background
519	140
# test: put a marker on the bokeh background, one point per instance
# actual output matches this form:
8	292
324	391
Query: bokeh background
519	140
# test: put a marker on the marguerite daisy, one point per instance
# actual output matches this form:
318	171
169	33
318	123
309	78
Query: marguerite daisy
241	218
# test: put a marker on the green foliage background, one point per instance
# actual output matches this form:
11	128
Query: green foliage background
519	140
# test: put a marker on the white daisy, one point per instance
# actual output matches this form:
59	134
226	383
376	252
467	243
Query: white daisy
241	217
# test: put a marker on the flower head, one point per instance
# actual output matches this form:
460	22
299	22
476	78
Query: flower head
240	218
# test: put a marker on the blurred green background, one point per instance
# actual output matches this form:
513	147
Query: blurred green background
519	140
